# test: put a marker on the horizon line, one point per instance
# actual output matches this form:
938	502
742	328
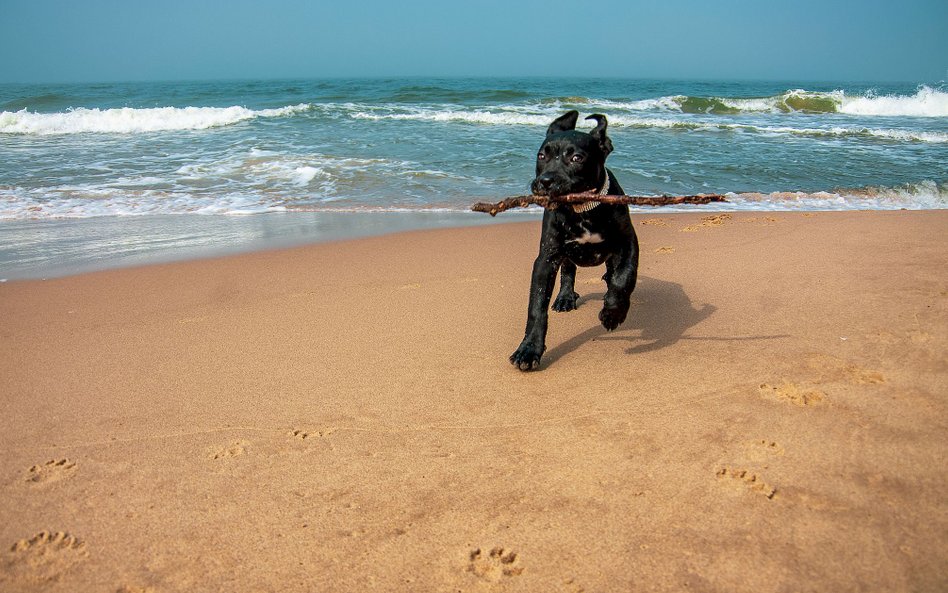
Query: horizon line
503	77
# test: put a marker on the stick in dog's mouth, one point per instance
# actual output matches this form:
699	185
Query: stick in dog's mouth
546	201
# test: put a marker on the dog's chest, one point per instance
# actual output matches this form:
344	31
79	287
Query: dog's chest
588	237
586	244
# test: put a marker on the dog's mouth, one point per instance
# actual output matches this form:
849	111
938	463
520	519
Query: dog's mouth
556	190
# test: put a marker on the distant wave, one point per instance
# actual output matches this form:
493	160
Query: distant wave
794	101
129	120
44	100
520	117
813	132
428	93
926	102
501	116
658	112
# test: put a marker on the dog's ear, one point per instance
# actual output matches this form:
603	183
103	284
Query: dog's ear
563	123
599	133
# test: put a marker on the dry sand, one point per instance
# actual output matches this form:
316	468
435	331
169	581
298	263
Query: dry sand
342	417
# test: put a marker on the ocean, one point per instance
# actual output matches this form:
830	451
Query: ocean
102	175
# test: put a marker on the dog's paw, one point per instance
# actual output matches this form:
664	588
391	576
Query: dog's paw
527	357
612	317
565	302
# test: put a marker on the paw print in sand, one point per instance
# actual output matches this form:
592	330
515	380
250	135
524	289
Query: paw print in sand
51	471
42	558
494	565
793	394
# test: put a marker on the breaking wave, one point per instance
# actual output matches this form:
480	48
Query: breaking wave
128	120
891	134
926	102
522	117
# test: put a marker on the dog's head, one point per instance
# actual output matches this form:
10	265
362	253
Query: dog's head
569	161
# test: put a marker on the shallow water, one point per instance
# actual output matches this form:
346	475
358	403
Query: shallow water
213	150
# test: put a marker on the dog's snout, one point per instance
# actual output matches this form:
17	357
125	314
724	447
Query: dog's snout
543	184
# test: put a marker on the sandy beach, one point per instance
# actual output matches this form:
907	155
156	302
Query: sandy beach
342	417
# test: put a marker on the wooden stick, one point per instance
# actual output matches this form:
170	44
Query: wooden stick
546	201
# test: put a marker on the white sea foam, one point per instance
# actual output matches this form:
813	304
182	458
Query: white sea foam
926	195
927	102
460	116
250	181
842	131
65	202
128	120
272	172
87	202
305	174
522	116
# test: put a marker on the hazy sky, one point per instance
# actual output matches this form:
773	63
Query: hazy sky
130	40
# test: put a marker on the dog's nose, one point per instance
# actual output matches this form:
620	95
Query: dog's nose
545	181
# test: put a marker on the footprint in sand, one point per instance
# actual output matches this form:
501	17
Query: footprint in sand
43	558
304	434
861	376
665	250
708	222
494	565
761	449
792	393
233	450
764	220
655	222
51	471
745	479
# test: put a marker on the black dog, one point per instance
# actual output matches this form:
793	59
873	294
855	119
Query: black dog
577	234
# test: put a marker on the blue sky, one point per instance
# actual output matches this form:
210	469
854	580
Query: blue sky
131	40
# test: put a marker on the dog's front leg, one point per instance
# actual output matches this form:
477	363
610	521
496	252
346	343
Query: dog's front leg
527	356
621	274
566	299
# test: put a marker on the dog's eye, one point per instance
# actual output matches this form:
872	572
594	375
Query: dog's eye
541	156
577	158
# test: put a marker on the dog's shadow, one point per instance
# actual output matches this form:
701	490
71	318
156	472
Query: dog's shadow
661	313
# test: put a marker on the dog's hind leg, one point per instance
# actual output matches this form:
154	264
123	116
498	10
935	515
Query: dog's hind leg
566	299
621	274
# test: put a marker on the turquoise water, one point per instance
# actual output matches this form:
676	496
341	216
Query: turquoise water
414	147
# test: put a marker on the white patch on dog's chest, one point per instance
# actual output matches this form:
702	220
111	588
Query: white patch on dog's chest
587	237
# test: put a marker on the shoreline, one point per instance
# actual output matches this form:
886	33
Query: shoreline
772	416
73	246
76	246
